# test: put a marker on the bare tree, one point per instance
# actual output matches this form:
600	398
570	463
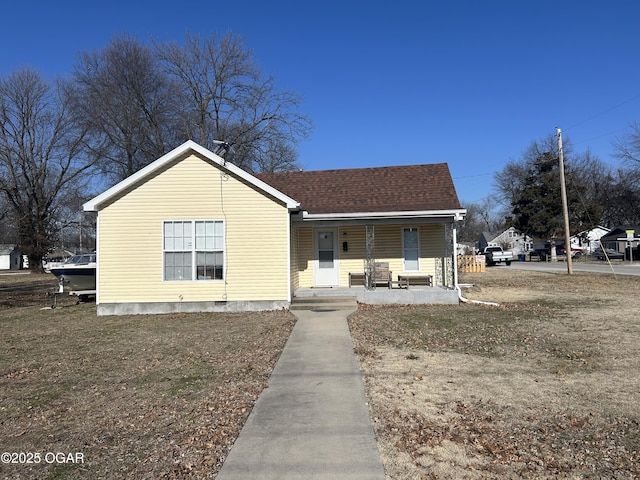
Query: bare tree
624	199
481	217
628	147
127	104
620	197
224	97
41	157
7	228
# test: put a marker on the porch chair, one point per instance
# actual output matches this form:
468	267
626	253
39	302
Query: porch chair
381	275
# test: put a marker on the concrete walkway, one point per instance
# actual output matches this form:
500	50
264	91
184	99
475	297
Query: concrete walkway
312	422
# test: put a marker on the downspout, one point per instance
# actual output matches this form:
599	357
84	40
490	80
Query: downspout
455	274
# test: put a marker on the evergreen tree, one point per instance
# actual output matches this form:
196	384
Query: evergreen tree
537	208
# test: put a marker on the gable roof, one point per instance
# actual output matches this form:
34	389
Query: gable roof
130	182
620	232
487	236
409	188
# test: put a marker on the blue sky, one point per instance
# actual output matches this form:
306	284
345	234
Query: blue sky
470	83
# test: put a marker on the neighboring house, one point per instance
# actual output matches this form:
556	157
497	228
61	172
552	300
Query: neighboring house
588	240
617	238
510	239
191	232
10	257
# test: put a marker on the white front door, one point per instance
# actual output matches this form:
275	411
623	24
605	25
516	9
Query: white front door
326	257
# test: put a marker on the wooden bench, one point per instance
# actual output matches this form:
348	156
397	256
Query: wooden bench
417	280
401	282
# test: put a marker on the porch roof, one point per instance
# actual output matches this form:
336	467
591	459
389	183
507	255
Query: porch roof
426	188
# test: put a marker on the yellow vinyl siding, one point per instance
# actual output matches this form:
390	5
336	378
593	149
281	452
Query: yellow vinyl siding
432	247
295	261
256	241
388	240
353	260
305	256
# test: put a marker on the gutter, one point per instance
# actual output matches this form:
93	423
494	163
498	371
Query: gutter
456	215
455	276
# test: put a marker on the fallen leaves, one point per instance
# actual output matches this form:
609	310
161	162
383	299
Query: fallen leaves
146	396
544	387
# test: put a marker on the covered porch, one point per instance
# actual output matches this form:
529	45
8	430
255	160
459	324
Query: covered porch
401	260
359	231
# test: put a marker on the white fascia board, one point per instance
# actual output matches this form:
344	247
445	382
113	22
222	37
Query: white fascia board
93	204
456	214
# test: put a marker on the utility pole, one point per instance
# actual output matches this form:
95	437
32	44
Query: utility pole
565	208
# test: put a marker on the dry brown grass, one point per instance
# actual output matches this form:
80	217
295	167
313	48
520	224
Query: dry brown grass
545	386
157	396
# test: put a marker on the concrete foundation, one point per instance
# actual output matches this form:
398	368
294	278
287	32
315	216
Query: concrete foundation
387	296
379	296
188	307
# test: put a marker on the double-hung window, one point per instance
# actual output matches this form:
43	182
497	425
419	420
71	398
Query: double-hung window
193	249
410	249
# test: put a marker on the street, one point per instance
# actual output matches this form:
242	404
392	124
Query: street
617	267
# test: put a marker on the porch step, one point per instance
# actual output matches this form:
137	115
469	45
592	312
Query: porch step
324	303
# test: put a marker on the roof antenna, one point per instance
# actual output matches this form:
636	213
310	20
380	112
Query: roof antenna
221	149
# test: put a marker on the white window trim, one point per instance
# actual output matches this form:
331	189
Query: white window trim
404	266
194	266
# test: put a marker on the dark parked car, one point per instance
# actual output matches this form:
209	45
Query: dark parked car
610	253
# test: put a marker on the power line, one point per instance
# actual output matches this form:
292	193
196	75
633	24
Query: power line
600	136
476	175
604	111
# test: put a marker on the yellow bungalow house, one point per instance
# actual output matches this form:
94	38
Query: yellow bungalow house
191	232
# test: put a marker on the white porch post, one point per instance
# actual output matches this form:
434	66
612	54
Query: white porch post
455	257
